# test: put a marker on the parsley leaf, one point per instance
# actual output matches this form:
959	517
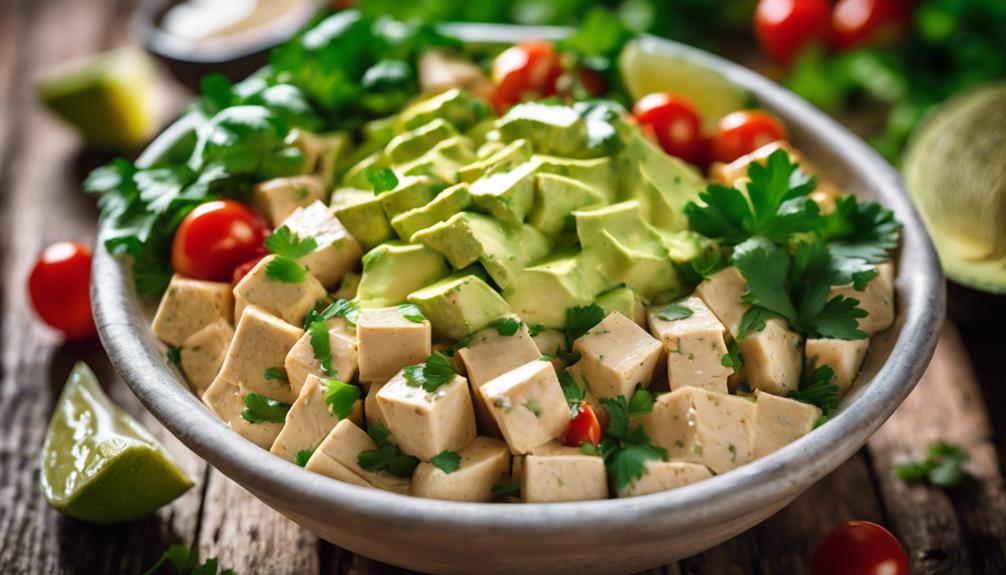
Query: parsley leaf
580	320
535	329
283	242
816	389
340	397
942	466
275	374
573	393
174	355
412	313
261	409
321	344
626	452
673	312
733	357
436	371
447	461
765	266
383	179
386	456
641	402
304	455
185	561
505	489
285	270
860	231
506	325
344	308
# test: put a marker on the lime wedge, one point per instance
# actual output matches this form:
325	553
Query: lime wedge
98	463
109	99
644	70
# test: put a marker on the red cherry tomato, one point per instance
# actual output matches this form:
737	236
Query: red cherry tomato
740	133
785	26
215	238
876	21
60	289
860	548
675	122
242	270
584	428
592	81
527	70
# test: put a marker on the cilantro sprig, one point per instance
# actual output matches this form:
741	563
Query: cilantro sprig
447	461
387	456
942	467
437	370
344	308
321	345
287	248
185	561
674	312
580	320
626	451
340	397
262	409
304	455
275	374
506	325
816	389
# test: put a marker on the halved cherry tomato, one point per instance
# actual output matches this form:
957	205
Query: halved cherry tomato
584	428
785	26
877	22
217	237
242	270
675	122
60	289
526	70
859	547
740	133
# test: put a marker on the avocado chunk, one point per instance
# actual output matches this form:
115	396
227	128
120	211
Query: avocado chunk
509	195
449	202
551	129
505	158
356	176
481	133
393	270
624	301
468	237
443	161
411	192
459	304
457	107
663	184
544	291
409	146
361	212
555	198
598	172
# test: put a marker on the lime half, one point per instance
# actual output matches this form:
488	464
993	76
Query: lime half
98	463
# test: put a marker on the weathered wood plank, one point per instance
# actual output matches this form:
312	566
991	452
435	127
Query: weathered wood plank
961	530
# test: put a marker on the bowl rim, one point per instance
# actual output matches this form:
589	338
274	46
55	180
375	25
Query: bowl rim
775	478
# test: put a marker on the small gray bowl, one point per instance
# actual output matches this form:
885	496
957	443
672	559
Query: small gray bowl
617	535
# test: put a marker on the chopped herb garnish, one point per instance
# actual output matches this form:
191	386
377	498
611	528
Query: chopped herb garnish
283	242
574	394
943	466
383	179
506	325
174	355
733	357
275	374
386	456
641	402
285	270
626	451
261	409
580	320
321	344
304	455
673	312
447	461
505	489
185	561
412	313
816	389
345	308
535	329
436	371
340	397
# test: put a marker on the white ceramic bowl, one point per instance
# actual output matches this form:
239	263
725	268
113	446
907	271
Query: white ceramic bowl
617	535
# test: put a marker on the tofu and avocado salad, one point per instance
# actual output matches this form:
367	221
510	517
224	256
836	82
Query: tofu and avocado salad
476	275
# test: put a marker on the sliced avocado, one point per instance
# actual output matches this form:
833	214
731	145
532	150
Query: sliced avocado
449	202
323	152
457	107
407	147
489	148
551	128
662	183
505	158
484	132
356	176
544	291
459	305
411	192
555	198
684	246
361	212
443	161
598	172
393	270
624	301
509	195
376	135
468	237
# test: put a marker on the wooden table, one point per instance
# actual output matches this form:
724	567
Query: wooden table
960	531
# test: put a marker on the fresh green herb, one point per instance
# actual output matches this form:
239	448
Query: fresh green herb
535	329
816	389
344	308
261	409
580	320
340	397
708	263
386	456
943	466
447	461
506	325
275	374
733	357
436	371
285	270
626	451
304	455
185	561
856	231
283	242
505	489
411	312
174	355
321	344
383	179
573	393
461	343
673	312
641	402
588	448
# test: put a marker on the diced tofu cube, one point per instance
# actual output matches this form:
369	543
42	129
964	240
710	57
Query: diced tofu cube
528	405
490	355
261	341
337	251
227	401
190	305
343	445
309	420
664	475
388	341
279	197
722	293
372	409
772	358
617	355
289	301
551	342
484	462
203	352
323	464
877	300
425	424
700	426
556	473
695	346
780	421
301	362
843	356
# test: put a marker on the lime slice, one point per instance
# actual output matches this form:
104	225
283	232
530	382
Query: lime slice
109	99
98	463
645	70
